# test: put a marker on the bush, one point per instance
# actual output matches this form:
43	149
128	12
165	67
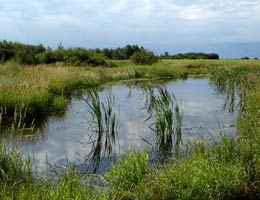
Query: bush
47	57
25	57
245	58
80	56
111	64
76	56
97	60
144	57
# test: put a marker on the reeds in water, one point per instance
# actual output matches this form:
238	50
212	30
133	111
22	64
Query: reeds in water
103	127
168	120
230	82
19	121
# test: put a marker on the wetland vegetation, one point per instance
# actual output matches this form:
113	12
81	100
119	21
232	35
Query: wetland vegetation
210	168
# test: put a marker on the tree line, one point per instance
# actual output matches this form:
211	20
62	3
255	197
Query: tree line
191	55
38	54
25	54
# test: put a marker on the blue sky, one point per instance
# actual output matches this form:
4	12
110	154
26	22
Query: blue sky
229	27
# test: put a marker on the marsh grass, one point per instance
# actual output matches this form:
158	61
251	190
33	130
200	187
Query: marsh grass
103	125
231	83
17	181
13	170
167	125
19	121
129	172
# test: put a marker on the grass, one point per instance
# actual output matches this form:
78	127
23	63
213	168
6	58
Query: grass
229	170
103	127
168	121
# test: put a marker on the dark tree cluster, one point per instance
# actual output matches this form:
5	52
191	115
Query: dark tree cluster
123	53
21	53
245	58
144	57
138	55
75	56
38	54
191	55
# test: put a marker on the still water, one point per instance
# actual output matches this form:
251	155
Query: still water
66	139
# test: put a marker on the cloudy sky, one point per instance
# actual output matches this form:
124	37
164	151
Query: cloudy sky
229	27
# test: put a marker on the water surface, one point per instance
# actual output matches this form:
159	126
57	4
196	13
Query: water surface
65	138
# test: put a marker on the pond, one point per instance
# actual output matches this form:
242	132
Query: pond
69	138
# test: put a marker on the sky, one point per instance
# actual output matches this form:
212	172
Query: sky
228	27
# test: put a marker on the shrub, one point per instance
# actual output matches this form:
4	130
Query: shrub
97	60
245	58
47	57
144	57
25	57
80	56
76	56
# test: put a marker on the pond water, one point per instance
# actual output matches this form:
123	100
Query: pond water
65	139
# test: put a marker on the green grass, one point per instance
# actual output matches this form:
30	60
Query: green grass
168	120
228	170
103	127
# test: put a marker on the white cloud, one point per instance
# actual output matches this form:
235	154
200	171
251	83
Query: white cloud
100	23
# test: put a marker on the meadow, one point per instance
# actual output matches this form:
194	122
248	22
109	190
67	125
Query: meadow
228	170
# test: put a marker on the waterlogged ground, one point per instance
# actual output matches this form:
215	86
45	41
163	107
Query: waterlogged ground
68	138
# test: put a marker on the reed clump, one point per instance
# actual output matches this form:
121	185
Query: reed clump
103	127
167	123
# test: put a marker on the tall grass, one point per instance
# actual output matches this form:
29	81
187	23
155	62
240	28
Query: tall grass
103	127
17	181
13	170
168	120
230	82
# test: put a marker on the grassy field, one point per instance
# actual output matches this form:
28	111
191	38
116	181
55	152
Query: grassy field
230	170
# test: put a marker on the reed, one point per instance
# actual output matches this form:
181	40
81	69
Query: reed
168	120
103	127
231	83
19	121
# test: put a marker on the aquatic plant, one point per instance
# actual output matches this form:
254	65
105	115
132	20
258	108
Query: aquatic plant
2	113
20	121
104	125
230	82
168	120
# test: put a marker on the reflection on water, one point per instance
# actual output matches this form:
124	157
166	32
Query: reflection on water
67	138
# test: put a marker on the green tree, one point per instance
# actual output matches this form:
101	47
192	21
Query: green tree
144	57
